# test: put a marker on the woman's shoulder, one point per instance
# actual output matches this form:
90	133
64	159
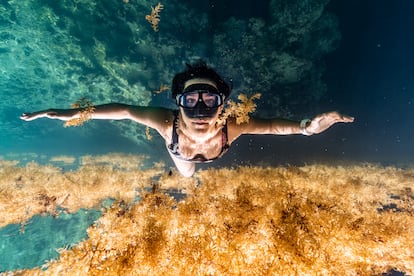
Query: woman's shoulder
165	118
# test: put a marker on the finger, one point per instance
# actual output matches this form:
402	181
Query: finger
319	117
338	117
347	119
25	116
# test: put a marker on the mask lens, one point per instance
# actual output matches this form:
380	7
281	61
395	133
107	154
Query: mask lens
191	99
188	100
211	100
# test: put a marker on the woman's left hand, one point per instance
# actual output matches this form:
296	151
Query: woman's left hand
325	120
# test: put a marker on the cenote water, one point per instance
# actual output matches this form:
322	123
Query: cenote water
104	197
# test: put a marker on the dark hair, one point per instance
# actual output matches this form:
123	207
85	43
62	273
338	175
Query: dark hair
198	70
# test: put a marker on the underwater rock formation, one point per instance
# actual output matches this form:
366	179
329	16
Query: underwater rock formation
54	52
279	57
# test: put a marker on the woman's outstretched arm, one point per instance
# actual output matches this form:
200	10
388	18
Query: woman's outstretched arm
154	117
318	124
112	111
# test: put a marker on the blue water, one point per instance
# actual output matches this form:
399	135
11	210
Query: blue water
28	245
54	52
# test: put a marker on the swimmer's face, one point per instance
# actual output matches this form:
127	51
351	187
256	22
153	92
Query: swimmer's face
200	109
201	123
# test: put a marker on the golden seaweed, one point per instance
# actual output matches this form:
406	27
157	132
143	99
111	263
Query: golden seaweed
86	108
315	219
163	88
154	17
148	133
240	111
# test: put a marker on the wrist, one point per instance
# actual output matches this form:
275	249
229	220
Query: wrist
303	125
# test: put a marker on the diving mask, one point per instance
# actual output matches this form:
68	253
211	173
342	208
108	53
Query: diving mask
200	100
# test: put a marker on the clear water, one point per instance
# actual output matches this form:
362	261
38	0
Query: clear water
29	245
348	56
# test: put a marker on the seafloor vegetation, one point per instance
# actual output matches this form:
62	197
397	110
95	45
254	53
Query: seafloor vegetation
314	219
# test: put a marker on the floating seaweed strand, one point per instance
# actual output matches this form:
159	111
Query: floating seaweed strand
239	110
86	109
154	17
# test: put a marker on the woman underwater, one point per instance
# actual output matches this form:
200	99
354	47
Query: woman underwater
192	134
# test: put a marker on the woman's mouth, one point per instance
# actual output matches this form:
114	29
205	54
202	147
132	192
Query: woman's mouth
200	123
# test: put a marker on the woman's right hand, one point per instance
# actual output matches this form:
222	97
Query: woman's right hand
63	115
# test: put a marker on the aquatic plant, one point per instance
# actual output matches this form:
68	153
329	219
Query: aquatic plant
86	108
62	159
163	88
66	49
240	110
148	133
315	219
280	56
154	17
27	191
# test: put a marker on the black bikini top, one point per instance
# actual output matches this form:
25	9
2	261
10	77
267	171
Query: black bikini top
199	158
